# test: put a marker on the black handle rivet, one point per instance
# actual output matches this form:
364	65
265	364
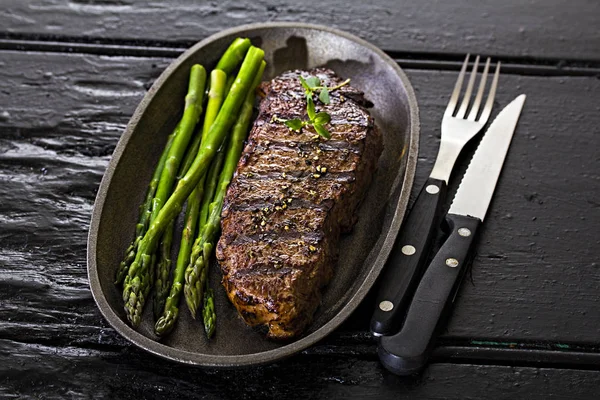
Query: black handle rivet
386	305
432	189
452	262
408	250
464	232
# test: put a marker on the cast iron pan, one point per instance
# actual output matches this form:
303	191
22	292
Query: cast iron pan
362	253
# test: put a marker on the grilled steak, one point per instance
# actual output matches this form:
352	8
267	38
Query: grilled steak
292	195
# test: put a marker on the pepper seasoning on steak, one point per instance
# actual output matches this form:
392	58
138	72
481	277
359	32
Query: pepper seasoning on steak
292	196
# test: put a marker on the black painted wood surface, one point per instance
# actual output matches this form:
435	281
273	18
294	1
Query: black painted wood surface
552	29
527	320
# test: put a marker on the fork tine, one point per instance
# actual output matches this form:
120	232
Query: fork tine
457	86
475	107
487	109
467	98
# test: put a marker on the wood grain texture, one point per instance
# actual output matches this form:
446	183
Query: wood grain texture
130	374
62	114
60	118
541	28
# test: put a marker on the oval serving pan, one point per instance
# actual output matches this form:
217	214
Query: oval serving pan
362	253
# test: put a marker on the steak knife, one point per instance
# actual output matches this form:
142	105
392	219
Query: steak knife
407	351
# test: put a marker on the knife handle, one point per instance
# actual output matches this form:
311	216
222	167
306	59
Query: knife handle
407	351
407	258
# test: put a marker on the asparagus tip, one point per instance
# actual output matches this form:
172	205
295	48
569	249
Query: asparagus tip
166	322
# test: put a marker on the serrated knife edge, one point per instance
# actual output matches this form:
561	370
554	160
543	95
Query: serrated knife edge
476	189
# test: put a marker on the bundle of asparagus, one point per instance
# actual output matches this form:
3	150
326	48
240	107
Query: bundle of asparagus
202	166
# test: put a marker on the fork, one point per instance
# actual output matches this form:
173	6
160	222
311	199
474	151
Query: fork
408	257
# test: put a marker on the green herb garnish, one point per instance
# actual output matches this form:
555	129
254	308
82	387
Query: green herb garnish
317	120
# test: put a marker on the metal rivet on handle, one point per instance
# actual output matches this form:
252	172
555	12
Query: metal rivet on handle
386	305
408	250
464	232
452	262
432	189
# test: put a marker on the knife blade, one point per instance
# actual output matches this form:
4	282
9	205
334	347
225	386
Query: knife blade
407	351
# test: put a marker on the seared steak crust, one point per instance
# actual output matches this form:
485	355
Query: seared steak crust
292	195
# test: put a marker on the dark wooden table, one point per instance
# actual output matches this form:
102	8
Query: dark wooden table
527	320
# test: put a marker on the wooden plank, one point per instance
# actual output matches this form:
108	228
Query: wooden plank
60	118
541	28
532	282
532	278
30	370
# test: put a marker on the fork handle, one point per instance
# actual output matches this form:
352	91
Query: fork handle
408	258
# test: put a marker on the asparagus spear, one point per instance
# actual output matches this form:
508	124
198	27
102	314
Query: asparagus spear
229	83
169	312
191	114
190	154
211	184
210	113
161	282
209	315
145	212
137	282
167	179
234	54
196	272
217	93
